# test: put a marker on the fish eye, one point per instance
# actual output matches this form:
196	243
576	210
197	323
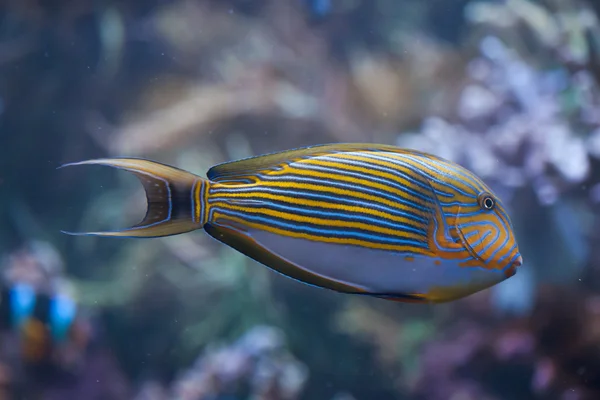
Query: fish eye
486	201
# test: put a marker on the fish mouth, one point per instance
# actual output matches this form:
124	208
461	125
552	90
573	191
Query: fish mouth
518	262
512	269
509	271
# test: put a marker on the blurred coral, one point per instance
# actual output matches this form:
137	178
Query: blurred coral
509	89
257	365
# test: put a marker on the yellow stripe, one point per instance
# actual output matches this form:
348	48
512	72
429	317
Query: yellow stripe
337	191
379	162
207	185
313	203
198	200
444	169
328	222
358	181
217	215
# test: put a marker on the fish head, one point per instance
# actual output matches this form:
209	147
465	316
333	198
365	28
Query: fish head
478	222
472	232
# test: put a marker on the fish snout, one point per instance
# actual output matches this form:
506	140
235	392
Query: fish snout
512	268
518	262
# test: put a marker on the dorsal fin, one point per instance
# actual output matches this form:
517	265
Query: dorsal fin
242	170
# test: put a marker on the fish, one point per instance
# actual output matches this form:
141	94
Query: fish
356	218
42	321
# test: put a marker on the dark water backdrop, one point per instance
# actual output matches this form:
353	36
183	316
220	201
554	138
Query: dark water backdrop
508	89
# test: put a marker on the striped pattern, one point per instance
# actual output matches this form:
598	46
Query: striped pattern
356	218
318	200
199	210
461	225
378	197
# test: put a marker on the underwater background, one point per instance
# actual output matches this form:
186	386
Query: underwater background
509	89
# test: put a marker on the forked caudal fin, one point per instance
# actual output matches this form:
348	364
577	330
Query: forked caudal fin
175	198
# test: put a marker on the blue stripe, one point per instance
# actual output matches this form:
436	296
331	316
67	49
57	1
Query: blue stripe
343	216
513	247
289	193
455	169
395	161
372	177
202	201
436	171
480	240
446	236
237	180
493	242
193	201
460	204
291	178
487	232
506	239
326	232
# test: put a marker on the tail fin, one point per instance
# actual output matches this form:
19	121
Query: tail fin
175	198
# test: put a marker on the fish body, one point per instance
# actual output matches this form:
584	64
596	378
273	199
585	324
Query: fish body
356	218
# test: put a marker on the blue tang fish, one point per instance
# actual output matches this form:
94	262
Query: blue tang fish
356	218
